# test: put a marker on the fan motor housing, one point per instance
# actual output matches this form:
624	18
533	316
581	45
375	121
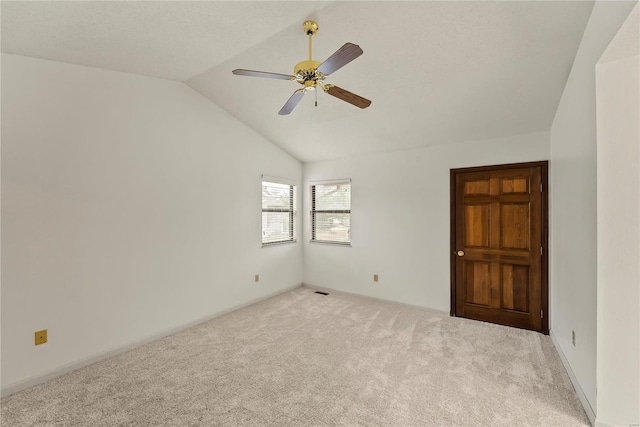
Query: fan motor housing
306	66
307	73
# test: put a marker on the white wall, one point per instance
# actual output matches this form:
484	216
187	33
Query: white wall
618	151
573	219
0	235
400	218
130	206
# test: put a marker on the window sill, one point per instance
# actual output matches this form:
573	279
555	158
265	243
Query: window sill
323	242
286	242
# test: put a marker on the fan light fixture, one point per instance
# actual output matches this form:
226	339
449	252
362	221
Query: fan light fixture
311	74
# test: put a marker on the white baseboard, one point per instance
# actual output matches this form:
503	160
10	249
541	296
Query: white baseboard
419	307
41	378
601	424
576	385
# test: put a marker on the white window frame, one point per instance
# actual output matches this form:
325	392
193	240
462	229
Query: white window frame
313	211
293	209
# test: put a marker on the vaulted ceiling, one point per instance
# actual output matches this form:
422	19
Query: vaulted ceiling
436	72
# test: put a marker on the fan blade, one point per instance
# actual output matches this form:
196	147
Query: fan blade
292	102
340	58
252	73
349	97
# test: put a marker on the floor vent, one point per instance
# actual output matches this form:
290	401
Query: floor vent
321	293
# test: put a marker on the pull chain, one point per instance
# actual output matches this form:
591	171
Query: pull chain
316	91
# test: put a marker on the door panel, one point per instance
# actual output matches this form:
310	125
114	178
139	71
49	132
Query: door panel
498	234
477	187
515	225
517	184
515	287
477	225
477	281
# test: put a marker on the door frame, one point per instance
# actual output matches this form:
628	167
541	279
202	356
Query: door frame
544	176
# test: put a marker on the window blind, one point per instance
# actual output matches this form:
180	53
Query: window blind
331	212
278	213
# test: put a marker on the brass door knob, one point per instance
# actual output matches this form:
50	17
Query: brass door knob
460	253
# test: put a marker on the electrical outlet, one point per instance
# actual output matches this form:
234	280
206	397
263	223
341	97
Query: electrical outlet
41	337
573	338
257	278
375	277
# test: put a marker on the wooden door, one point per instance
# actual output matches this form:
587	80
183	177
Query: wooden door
499	239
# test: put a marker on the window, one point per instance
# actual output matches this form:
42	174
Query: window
331	212
278	212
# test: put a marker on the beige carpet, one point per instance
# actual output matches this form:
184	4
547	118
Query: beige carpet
303	359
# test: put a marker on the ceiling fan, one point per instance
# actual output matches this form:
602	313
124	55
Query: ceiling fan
311	74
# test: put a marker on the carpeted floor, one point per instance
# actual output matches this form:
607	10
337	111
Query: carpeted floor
303	359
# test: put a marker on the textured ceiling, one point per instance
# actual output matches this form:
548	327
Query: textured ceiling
627	41
437	72
172	40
